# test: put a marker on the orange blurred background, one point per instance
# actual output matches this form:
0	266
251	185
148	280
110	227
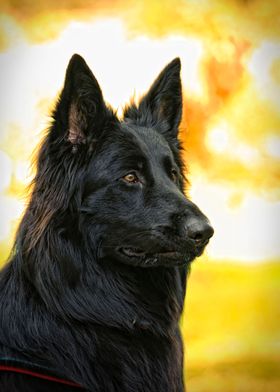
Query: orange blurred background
230	53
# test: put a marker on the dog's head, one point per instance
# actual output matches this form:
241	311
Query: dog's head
130	203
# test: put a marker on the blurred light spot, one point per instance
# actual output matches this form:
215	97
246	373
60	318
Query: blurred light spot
273	146
23	172
11	210
6	167
218	138
260	67
10	32
222	140
246	154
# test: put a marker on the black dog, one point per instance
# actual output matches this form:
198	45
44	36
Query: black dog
92	295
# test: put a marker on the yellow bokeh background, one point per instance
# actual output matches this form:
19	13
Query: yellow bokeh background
230	53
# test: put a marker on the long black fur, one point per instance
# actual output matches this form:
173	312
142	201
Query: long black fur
72	298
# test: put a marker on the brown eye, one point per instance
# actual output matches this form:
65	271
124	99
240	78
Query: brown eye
131	178
174	175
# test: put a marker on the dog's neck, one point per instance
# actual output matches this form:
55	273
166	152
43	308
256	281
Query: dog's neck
143	304
154	296
148	299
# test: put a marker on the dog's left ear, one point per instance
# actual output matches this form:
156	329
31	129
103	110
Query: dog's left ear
161	107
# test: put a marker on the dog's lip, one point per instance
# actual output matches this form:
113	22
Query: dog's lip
130	251
169	254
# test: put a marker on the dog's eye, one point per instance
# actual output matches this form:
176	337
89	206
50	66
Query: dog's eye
174	175
131	178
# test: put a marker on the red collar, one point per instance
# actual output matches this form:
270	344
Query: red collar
33	370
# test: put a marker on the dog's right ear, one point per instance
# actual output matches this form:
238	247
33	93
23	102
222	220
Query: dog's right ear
80	113
161	106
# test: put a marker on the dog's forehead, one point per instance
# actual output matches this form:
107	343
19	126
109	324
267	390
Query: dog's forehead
148	140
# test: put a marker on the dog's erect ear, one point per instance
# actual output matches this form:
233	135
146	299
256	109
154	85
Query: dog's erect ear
161	107
81	110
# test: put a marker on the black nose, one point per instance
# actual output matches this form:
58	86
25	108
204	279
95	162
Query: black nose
199	230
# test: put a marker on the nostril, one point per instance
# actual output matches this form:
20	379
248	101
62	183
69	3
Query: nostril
200	232
197	237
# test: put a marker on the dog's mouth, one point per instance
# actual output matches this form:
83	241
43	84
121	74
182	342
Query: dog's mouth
132	252
143	258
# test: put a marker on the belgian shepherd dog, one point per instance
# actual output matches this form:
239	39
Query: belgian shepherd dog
95	285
